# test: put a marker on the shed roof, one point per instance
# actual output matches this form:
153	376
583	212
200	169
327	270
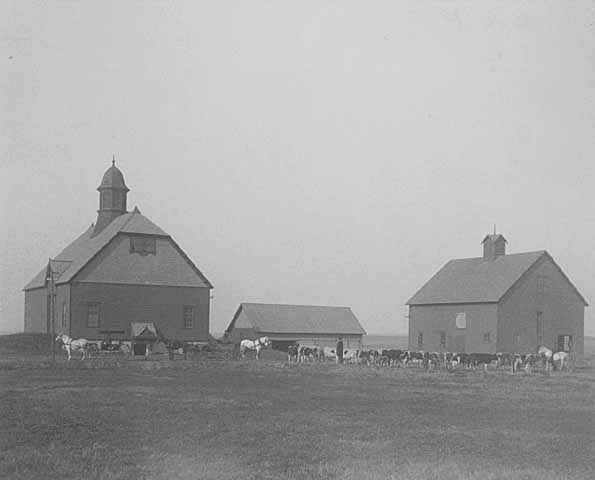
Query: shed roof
274	318
86	246
475	280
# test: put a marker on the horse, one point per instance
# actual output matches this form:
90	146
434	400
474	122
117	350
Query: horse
257	345
546	355
562	358
73	345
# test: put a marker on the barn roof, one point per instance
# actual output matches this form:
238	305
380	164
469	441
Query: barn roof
475	280
76	255
273	318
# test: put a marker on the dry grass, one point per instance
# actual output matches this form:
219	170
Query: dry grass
114	418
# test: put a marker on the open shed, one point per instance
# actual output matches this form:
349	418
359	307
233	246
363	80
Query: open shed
305	324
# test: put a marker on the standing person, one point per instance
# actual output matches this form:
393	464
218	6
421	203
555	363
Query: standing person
339	350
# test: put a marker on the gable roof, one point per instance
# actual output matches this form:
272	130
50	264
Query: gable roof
475	280
273	318
86	247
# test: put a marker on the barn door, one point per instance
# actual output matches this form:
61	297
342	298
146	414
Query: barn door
460	343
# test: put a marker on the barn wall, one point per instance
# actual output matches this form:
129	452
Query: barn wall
35	311
319	340
115	264
238	334
431	320
120	305
562	312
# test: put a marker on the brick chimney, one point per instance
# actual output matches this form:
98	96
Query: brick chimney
493	246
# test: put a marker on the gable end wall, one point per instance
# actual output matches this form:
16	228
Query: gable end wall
563	312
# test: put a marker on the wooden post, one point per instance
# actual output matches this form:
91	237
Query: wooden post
52	288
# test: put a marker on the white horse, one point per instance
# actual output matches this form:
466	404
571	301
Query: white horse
257	345
562	358
546	354
73	345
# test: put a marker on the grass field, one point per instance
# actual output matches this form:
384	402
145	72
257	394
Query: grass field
249	420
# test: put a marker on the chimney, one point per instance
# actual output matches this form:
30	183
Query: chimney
494	246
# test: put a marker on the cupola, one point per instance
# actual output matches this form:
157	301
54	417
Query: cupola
494	246
112	197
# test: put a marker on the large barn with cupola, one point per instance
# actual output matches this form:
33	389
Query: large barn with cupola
123	279
498	302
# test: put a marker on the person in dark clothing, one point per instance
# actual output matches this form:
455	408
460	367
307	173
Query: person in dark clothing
339	350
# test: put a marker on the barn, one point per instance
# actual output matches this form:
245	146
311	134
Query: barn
122	272
305	324
498	303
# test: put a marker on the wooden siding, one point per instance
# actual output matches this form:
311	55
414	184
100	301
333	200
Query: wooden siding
115	264
431	320
243	329
562	311
120	305
320	340
36	311
349	341
238	334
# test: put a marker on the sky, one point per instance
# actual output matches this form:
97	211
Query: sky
313	152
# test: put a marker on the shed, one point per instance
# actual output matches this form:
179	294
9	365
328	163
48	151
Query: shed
305	324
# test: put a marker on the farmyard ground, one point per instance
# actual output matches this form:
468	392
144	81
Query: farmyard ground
243	420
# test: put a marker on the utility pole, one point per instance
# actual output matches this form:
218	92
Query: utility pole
52	291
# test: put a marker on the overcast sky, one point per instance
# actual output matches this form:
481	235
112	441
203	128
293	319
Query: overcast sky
333	153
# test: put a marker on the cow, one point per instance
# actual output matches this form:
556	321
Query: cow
505	359
533	360
391	357
370	357
430	360
350	355
329	352
310	353
449	360
293	352
411	357
305	354
485	359
462	359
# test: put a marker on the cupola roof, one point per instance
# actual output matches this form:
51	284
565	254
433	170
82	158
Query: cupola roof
113	178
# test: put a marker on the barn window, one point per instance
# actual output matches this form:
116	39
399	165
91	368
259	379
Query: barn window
93	315
486	337
188	316
542	284
461	320
64	314
143	245
443	339
420	339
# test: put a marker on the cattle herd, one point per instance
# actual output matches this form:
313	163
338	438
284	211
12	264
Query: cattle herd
433	360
